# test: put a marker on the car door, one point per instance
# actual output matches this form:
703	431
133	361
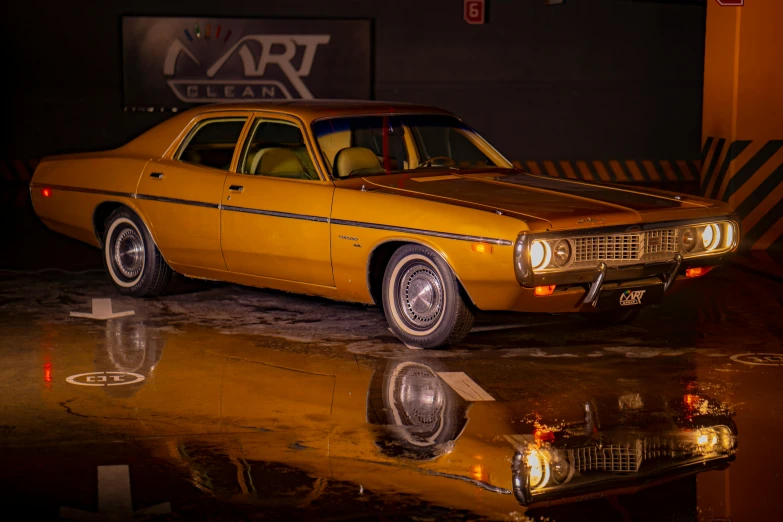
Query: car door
180	193
276	206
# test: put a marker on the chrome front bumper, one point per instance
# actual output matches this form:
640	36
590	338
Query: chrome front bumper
591	297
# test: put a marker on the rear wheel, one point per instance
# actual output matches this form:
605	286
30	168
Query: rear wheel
131	259
422	299
612	317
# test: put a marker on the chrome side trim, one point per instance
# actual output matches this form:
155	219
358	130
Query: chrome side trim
360	224
432	233
84	190
162	199
275	213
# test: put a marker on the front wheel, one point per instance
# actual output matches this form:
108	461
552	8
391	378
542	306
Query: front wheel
131	259
422	299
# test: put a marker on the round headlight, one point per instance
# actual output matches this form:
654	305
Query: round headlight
710	236
540	254
561	253
688	240
730	235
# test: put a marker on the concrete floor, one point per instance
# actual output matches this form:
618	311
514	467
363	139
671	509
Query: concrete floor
263	405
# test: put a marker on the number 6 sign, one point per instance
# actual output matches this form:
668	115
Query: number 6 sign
474	11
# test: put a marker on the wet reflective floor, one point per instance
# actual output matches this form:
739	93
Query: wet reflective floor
217	402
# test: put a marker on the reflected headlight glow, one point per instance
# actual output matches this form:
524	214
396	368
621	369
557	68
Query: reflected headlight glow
714	439
536	467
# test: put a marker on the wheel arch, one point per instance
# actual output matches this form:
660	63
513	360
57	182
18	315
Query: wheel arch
104	209
381	255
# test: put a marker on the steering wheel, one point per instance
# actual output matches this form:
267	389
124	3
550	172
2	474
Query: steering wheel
429	161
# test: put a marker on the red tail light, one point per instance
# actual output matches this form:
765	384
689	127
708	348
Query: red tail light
46	192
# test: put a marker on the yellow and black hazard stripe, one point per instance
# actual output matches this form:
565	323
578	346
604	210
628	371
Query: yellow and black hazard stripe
748	175
19	171
617	171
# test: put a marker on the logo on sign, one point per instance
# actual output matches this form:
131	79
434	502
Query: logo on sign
631	297
474	11
105	378
255	55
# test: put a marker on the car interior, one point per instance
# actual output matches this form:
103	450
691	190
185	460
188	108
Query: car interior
213	142
277	149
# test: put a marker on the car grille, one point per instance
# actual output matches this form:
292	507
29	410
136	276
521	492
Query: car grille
662	240
617	247
626	248
612	458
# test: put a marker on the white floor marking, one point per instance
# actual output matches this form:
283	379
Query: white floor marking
465	386
101	309
114	499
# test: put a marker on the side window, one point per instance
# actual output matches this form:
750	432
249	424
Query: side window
276	148
212	142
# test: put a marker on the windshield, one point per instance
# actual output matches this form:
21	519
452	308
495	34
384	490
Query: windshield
358	146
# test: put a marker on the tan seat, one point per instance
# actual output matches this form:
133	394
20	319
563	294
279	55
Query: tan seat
356	160
278	162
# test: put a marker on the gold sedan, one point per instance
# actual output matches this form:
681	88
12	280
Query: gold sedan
374	203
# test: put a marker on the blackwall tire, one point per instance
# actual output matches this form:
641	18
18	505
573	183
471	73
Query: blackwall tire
613	317
422	299
132	261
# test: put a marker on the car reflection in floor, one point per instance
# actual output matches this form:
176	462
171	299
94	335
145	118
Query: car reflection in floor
293	425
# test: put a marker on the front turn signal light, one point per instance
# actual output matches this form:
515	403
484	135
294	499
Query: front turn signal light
698	271
481	248
544	290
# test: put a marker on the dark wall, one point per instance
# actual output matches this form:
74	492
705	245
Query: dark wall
591	79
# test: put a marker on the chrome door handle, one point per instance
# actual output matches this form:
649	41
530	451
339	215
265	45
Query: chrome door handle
236	188
156	175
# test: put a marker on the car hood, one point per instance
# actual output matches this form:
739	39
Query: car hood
552	203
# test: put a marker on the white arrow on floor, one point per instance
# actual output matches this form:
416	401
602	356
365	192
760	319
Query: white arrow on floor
114	499
101	309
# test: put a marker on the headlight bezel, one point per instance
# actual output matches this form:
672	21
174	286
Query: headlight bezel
727	242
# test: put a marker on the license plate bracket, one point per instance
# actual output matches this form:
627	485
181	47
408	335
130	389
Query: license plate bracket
625	297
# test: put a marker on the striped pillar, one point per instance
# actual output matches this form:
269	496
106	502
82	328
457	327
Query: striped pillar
748	175
17	171
742	122
616	171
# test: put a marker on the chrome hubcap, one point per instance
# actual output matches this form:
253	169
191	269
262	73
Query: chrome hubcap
420	295
129	253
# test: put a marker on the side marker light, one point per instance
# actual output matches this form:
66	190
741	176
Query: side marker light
481	248
544	290
698	271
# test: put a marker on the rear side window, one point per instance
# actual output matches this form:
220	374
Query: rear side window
212	143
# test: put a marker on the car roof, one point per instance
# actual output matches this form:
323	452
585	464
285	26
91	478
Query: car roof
156	141
309	110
